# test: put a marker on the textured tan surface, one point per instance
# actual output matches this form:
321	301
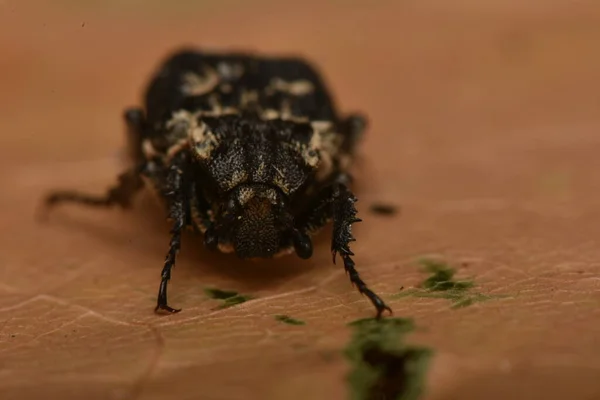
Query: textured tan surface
485	128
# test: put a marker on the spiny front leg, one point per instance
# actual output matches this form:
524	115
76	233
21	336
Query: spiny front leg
344	215
335	202
178	213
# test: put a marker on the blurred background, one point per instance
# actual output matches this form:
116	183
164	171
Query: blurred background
484	130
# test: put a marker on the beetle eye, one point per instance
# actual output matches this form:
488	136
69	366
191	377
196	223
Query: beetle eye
231	206
302	244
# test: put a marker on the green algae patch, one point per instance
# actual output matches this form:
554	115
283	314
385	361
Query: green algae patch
229	297
442	277
441	284
219	294
384	366
286	319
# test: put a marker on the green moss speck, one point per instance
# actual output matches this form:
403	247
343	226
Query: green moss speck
289	320
441	285
214	293
230	298
441	278
383	365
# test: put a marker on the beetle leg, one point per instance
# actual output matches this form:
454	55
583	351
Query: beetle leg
174	246
344	215
120	194
179	214
336	203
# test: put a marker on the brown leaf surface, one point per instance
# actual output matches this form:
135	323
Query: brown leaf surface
485	130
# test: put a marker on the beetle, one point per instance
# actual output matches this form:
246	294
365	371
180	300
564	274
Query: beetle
248	150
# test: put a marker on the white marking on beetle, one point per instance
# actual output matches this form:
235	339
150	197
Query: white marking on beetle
196	85
229	72
148	149
176	148
248	97
297	88
202	140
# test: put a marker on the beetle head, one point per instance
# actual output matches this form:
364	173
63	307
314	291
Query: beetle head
257	223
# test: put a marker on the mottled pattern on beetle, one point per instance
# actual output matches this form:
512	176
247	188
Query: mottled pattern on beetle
251	120
236	87
223	88
258	153
197	85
